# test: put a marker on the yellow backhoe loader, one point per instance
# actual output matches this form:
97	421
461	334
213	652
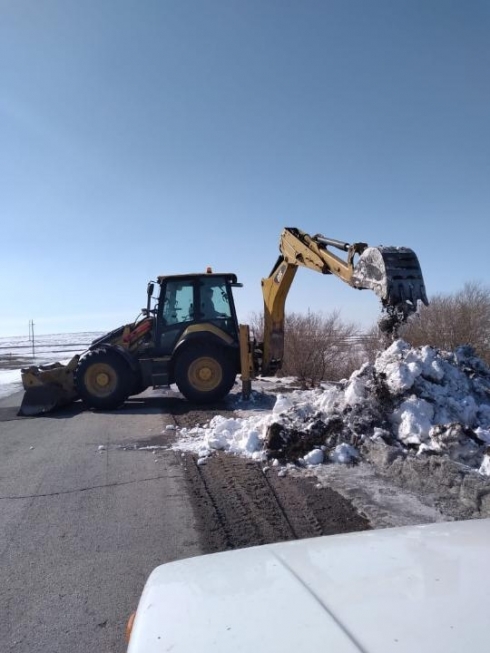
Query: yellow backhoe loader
189	333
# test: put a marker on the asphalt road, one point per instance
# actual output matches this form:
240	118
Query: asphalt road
81	527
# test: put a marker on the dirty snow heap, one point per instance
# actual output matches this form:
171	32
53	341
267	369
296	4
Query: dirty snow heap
414	401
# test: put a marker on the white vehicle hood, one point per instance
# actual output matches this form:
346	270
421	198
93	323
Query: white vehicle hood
422	588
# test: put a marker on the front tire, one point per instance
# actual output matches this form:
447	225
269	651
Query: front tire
103	379
204	374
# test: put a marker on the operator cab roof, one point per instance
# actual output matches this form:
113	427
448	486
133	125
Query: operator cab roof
228	276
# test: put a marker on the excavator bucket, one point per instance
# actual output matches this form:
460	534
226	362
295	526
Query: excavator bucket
47	387
394	274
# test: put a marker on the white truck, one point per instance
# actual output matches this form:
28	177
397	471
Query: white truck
404	590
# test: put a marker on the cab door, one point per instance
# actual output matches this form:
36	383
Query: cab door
176	312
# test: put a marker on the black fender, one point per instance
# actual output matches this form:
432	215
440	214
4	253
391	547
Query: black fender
130	359
107	338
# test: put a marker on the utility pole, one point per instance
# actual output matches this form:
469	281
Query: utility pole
31	337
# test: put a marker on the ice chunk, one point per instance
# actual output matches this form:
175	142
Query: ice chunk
315	457
485	465
282	405
413	420
355	392
344	453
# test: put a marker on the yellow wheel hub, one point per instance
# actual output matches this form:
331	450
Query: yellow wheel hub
205	374
100	379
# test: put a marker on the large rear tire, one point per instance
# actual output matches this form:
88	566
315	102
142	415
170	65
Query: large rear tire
205	373
103	379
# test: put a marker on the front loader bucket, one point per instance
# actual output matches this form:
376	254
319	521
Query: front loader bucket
48	387
41	399
394	274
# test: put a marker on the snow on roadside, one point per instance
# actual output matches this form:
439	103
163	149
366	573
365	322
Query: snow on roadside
419	400
10	382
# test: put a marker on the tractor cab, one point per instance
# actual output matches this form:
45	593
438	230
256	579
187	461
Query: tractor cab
189	305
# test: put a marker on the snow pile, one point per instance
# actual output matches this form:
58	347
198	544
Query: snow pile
421	401
236	435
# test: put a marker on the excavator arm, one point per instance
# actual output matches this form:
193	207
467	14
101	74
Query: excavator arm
393	273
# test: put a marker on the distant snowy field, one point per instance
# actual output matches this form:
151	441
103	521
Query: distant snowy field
17	352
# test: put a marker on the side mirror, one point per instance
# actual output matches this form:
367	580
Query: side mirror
149	290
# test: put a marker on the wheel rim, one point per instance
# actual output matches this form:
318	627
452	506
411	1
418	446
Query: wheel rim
100	379
205	374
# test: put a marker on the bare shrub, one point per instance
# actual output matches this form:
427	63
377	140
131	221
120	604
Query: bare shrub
317	347
256	323
451	320
320	347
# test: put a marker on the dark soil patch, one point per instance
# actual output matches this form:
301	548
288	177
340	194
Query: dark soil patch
289	444
237	504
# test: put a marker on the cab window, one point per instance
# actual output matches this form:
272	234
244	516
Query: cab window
214	300
178	302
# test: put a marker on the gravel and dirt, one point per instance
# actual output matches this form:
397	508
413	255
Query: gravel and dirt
237	504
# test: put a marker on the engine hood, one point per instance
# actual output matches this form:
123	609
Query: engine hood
423	588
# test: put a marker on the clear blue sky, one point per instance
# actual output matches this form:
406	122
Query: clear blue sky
146	137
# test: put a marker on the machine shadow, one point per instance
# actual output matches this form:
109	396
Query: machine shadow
141	405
